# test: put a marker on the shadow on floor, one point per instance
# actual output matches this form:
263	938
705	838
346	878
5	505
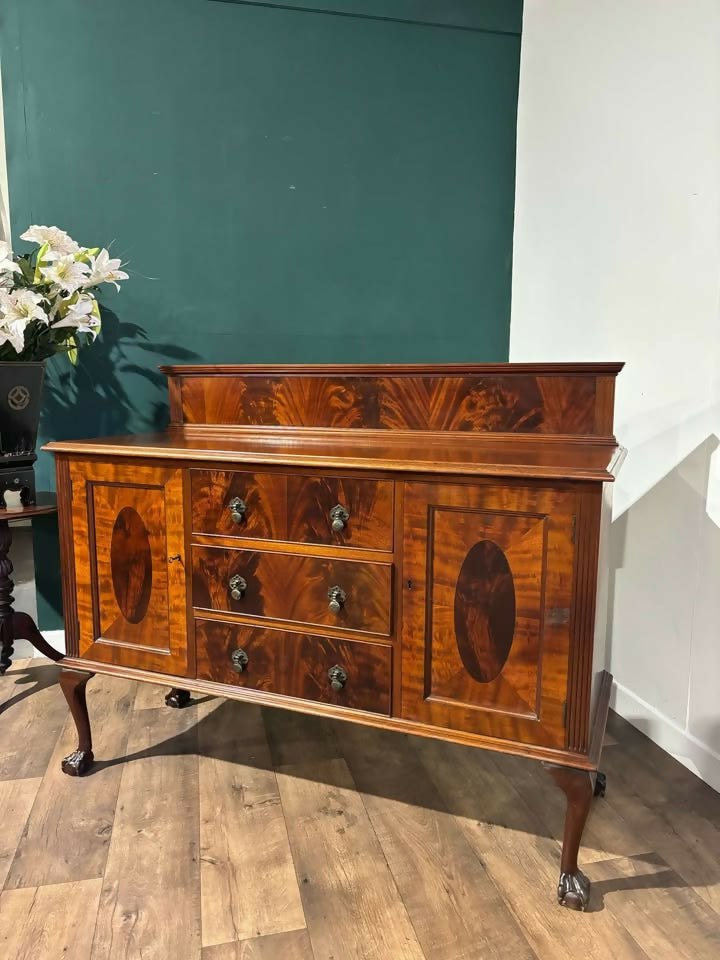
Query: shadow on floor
496	790
33	679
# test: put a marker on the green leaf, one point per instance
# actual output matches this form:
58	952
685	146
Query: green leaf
38	278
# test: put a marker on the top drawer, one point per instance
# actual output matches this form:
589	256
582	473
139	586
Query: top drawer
344	511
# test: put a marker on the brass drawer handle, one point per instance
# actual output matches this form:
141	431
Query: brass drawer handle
239	660
237	508
337	598
238	586
337	677
339	516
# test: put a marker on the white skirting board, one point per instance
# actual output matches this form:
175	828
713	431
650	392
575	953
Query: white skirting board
679	743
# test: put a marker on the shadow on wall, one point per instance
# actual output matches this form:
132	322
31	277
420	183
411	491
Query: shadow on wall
664	609
100	397
115	389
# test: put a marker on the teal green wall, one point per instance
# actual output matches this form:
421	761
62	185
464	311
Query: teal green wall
285	185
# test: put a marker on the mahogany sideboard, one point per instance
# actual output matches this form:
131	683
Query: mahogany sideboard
411	547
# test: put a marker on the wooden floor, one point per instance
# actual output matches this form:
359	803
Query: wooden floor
227	832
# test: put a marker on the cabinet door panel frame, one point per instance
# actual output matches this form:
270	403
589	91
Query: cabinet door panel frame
100	490
534	522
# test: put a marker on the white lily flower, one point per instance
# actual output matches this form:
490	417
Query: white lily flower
17	310
13	331
66	273
81	317
21	305
103	269
7	265
59	242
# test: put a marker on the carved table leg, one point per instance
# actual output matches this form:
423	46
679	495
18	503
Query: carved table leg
73	685
177	698
15	626
24	628
6	598
577	785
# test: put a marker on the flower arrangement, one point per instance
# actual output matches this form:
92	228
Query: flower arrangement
48	298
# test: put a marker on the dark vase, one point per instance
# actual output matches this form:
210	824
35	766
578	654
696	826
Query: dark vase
20	396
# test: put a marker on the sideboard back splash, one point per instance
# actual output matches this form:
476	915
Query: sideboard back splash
565	400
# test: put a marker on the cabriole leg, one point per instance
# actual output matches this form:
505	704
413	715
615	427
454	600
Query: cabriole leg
177	698
73	683
6	598
577	785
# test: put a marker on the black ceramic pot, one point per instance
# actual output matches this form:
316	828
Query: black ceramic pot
20	404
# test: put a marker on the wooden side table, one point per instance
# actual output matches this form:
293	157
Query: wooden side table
14	625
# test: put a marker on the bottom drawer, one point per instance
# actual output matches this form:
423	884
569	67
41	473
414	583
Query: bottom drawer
295	665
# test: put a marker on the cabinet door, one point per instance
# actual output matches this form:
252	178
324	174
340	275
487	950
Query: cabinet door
130	565
488	577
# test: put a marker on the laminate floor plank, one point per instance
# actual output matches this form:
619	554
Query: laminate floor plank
151	696
607	834
279	946
300	737
16	800
352	905
688	841
249	887
68	832
49	922
665	916
32	712
150	902
521	857
391	847
454	906
657	775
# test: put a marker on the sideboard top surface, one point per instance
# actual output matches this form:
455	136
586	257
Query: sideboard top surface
448	454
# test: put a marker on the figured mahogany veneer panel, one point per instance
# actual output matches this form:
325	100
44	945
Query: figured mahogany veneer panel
493	402
293	507
131	564
131	596
484	611
369	503
264	495
296	665
294	588
488	576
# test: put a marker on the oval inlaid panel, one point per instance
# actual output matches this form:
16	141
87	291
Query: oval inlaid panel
131	564
484	611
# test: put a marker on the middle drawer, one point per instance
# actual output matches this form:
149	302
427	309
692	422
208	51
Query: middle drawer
340	594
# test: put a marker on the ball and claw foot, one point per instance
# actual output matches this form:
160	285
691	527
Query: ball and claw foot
78	763
177	698
600	784
573	890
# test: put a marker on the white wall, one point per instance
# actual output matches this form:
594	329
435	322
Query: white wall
4	204
617	257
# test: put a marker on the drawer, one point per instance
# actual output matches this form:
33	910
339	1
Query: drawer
297	508
295	665
286	586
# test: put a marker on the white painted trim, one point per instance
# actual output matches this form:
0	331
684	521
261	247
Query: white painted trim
679	743
56	638
4	193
